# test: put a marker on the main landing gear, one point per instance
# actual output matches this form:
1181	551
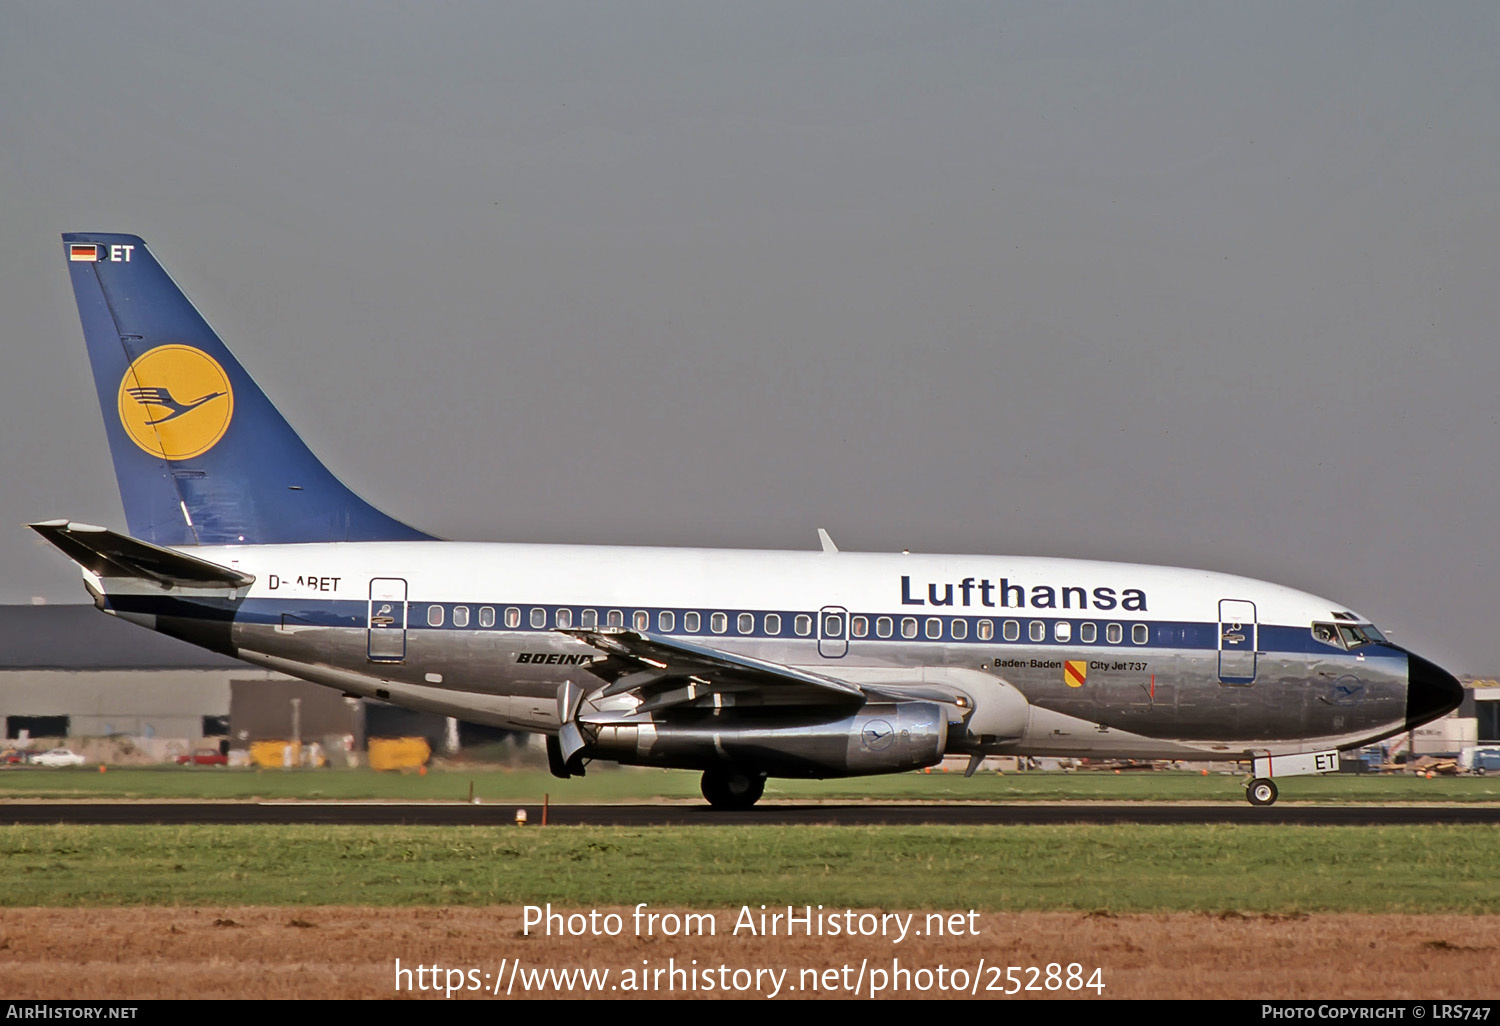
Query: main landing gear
733	790
1261	791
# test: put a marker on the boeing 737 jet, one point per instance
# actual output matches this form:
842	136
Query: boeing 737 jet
740	664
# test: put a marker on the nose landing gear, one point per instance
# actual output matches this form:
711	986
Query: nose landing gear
1261	791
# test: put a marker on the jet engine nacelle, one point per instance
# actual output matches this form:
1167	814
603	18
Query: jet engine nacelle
985	712
877	738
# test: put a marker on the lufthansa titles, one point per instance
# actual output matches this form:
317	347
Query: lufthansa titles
1007	594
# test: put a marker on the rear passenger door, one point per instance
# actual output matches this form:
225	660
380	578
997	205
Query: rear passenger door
387	620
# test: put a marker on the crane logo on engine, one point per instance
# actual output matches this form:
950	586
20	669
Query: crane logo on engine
877	735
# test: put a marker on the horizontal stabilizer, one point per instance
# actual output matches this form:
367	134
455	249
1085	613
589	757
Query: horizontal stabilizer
104	553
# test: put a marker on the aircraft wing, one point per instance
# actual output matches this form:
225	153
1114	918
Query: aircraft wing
104	553
669	671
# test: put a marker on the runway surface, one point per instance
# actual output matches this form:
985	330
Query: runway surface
461	814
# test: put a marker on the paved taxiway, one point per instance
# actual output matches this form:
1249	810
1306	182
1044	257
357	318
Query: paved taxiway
462	814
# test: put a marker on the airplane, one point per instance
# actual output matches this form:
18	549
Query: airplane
742	665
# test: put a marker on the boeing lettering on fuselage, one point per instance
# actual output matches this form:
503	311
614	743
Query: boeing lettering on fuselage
1013	595
742	665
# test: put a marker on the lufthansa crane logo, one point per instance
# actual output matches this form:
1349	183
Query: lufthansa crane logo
176	402
877	735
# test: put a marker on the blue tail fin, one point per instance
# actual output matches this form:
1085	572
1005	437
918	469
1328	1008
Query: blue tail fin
201	455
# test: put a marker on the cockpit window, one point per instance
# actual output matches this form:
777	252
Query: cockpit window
1347	635
1327	633
1353	636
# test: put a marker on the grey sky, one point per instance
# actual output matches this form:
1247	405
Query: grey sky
1200	284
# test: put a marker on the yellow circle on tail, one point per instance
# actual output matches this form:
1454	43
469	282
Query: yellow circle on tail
176	402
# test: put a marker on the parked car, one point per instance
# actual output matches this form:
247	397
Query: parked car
1486	760
204	757
58	757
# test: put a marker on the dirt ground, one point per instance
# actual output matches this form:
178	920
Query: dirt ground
339	952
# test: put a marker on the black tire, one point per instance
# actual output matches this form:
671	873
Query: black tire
733	790
1261	792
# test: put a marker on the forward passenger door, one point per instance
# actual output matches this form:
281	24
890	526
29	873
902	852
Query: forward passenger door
1237	641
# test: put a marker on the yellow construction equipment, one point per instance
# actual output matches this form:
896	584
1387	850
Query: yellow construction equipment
394	753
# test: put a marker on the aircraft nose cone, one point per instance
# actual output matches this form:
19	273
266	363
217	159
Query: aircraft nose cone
1431	691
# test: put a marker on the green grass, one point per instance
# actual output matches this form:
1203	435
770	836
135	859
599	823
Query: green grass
610	784
1213	869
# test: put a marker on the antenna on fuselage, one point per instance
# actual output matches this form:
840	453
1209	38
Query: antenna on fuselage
828	545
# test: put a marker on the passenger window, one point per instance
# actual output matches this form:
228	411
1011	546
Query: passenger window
589	618
1114	633
642	620
512	616
1036	630
1140	634
960	629
986	630
666	620
803	625
1088	633
773	623
692	622
884	626
538	617
859	626
486	616
615	618
718	623
460	616
434	616
565	617
934	627
746	624
1011	630
908	626
833	626
1062	631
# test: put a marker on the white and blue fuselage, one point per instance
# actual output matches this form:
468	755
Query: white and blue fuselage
1175	663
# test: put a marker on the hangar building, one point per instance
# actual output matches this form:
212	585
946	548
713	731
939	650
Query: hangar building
115	692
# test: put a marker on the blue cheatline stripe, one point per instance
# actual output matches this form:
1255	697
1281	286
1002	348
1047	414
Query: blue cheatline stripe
1173	634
